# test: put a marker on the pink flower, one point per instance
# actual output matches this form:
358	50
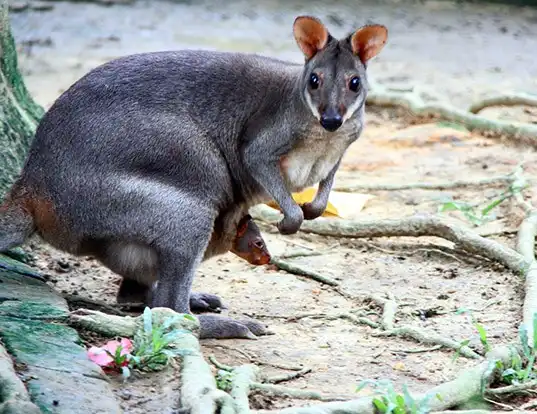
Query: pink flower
104	359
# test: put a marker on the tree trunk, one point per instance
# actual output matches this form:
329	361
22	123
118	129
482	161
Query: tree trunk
19	114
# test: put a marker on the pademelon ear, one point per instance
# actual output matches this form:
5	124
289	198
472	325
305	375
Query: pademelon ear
310	34
368	41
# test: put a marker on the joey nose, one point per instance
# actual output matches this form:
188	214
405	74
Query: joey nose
331	122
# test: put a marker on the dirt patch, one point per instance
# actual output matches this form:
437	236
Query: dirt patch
430	284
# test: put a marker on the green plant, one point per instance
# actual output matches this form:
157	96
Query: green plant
153	345
224	379
151	350
483	337
522	366
389	401
478	216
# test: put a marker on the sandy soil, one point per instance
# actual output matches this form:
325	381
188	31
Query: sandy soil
460	52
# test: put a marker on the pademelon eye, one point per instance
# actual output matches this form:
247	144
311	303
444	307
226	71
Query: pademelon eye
314	81
354	83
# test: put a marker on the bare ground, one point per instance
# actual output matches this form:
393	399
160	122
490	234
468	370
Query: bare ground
429	284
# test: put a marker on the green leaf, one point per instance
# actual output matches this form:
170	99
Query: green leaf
495	203
148	320
189	317
451	206
483	336
380	406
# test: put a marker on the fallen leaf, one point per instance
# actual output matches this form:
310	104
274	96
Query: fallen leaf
307	196
399	366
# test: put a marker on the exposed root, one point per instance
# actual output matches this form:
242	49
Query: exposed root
281	391
384	97
431	338
526	246
388	314
243	378
416	351
80	301
519	99
465	386
288	377
357	320
414	226
513	389
14	397
502	179
301	271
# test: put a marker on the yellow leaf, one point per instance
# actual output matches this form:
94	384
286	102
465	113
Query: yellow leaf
399	366
307	196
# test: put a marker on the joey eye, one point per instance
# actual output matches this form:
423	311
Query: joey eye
314	81
354	83
259	244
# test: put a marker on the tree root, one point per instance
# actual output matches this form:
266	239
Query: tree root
281	391
430	338
14	398
526	246
467	385
384	97
301	271
415	226
519	99
198	386
243	378
357	320
513	389
502	179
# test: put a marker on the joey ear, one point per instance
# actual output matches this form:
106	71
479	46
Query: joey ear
310	34
242	227
368	41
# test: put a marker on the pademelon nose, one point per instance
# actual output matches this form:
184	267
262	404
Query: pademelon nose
331	123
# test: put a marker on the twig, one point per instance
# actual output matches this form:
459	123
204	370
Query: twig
288	377
513	389
415	226
381	96
519	99
424	186
430	338
281	391
301	271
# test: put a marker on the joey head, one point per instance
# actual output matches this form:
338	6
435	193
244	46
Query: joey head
150	161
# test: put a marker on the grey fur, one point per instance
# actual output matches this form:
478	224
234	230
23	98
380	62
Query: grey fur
149	161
